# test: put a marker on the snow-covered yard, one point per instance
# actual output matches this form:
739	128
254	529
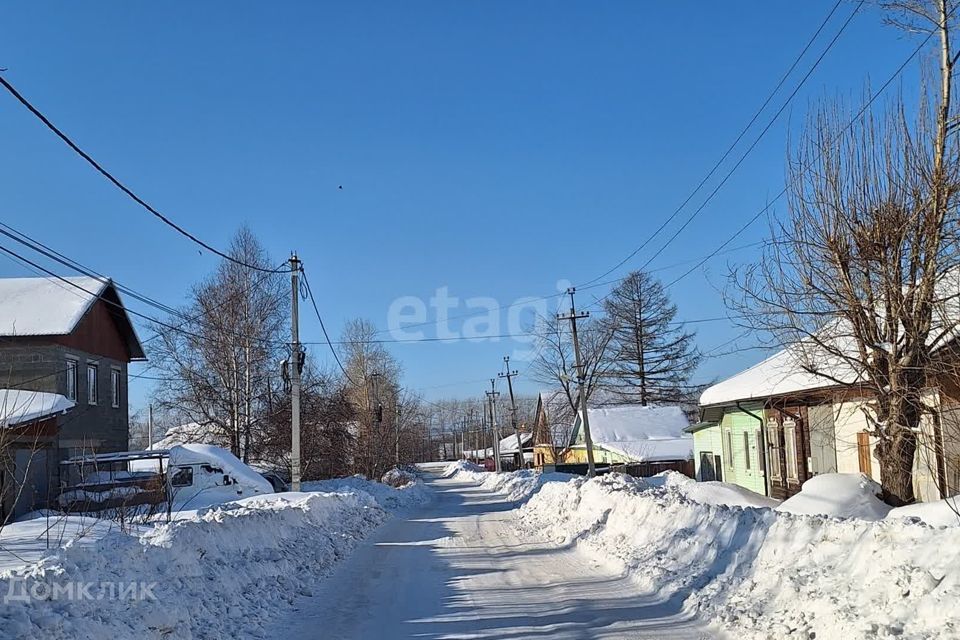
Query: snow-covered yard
210	573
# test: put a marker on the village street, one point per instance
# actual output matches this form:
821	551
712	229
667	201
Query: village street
458	568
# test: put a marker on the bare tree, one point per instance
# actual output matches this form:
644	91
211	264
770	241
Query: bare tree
652	357
554	363
218	363
855	279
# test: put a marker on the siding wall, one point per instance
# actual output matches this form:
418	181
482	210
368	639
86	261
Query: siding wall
737	423
849	421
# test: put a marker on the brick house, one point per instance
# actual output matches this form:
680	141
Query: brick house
72	344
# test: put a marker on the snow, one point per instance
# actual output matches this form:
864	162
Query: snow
720	493
508	445
27	540
642	433
760	573
387	497
221	572
19	406
44	306
516	486
941	513
192	433
461	568
838	495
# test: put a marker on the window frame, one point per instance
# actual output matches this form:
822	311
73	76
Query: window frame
728	448
73	376
790	450
748	463
93	390
773	444
115	387
187	471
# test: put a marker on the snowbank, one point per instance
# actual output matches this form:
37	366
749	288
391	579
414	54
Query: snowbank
721	493
223	572
409	495
942	513
515	485
838	495
762	573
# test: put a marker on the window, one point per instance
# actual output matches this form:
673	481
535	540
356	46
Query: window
72	378
746	450
183	477
790	447
728	448
93	393
773	441
115	388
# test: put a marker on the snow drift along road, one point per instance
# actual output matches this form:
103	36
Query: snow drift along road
759	572
213	573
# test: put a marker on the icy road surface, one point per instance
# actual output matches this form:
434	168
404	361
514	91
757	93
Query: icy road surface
457	568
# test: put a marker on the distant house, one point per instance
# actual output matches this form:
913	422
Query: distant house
632	433
71	346
552	426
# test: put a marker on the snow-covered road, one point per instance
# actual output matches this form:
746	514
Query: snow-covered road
458	568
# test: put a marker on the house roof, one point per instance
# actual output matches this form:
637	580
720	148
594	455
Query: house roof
52	307
20	406
508	445
785	373
643	433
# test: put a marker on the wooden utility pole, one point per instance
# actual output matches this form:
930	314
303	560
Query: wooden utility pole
396	441
294	365
492	400
150	429
573	316
508	374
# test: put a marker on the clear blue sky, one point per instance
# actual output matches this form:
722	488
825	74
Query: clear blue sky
490	147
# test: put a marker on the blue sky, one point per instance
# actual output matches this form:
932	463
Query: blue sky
493	148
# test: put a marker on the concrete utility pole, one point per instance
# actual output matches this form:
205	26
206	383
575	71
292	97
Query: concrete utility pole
508	374
294	375
150	429
573	316
492	399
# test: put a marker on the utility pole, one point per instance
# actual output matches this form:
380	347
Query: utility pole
294	375
492	399
396	441
508	374
150	429
573	316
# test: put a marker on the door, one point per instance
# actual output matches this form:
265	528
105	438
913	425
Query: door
707	471
863	452
31	480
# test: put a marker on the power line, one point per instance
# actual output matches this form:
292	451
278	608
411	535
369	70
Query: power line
740	136
323	327
116	182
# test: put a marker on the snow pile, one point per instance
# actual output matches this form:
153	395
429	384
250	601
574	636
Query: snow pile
721	493
412	494
462	467
838	495
224	572
759	572
397	478
942	513
515	485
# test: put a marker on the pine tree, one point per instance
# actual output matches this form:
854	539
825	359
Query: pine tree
653	358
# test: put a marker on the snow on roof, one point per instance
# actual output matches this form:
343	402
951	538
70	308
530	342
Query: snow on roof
643	433
192	433
508	445
781	373
231	465
19	406
44	306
